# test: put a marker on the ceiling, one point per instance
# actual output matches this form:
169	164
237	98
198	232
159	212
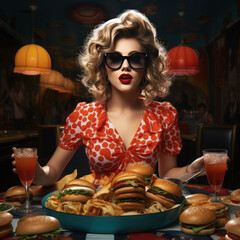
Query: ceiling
61	26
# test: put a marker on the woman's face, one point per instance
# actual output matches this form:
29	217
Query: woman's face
126	79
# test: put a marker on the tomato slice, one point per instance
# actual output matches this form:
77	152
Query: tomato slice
95	211
232	236
18	196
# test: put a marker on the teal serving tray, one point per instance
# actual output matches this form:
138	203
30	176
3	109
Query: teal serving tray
115	224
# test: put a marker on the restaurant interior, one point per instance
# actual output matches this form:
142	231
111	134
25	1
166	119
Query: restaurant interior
206	95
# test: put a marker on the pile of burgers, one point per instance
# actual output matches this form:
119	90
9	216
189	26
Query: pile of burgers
201	216
133	191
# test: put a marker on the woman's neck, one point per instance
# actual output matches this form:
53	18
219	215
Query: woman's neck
120	101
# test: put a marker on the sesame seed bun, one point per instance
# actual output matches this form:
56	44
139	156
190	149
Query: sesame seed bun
140	167
5	224
168	186
15	190
16	196
233	227
196	198
78	184
221	212
82	182
124	176
197	216
172	190
36	225
235	195
74	198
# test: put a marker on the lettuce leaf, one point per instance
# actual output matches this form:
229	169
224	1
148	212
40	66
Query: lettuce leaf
47	235
132	183
147	178
163	192
74	191
197	229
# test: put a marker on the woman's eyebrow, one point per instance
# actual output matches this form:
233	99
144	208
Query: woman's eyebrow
134	51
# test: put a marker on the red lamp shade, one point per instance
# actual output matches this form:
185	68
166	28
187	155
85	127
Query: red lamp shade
182	60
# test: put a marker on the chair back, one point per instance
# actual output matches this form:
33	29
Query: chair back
218	136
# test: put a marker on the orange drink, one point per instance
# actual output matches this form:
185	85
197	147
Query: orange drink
216	174
26	169
215	162
26	159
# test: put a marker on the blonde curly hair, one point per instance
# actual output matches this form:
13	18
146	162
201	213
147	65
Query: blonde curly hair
130	24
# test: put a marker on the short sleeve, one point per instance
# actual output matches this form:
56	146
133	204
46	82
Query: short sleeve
171	139
70	138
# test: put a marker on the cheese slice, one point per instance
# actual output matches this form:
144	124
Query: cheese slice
91	191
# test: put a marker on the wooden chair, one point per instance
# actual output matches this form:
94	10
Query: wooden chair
224	137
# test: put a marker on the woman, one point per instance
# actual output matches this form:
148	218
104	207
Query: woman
124	69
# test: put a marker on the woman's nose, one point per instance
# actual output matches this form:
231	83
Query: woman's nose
126	65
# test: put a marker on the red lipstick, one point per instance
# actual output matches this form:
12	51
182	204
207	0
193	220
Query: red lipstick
125	78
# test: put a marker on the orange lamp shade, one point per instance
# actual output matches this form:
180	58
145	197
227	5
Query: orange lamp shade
182	60
32	59
54	80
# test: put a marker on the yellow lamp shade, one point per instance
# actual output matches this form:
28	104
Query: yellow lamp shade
69	86
54	80
32	59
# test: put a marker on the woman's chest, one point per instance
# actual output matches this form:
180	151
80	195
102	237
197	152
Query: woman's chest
123	136
126	127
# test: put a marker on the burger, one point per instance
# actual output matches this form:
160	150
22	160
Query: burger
165	192
16	196
197	220
235	196
5	224
129	191
77	190
233	229
197	199
39	227
221	212
143	168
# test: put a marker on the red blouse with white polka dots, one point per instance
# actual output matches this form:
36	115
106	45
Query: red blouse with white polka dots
88	124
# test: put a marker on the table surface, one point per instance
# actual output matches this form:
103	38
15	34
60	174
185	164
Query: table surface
172	231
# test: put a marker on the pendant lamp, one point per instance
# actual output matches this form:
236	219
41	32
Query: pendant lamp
32	59
182	60
54	80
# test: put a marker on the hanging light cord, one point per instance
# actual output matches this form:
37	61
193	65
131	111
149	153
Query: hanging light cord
181	14
33	9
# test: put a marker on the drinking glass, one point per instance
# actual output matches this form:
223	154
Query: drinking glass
215	161
26	159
